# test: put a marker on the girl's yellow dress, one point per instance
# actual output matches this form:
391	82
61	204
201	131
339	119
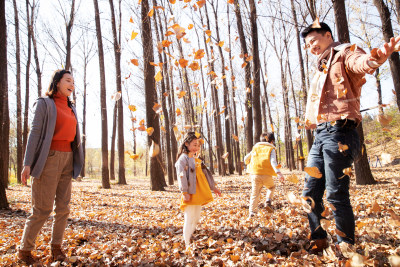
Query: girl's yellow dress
203	193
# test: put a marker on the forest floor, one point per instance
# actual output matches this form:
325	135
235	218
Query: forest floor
129	224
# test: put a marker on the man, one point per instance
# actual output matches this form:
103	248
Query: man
333	109
262	166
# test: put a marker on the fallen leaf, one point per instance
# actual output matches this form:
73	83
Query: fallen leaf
313	172
342	147
316	23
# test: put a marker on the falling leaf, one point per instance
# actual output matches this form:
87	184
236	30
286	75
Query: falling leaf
178	112
353	47
293	178
208	32
116	96
172	1
154	149
384	120
340	233
313	172
201	3
227	49
316	23
151	12
158	77
135	62
134	156
132	108
183	62
230	1
386	158
208	40
134	34
249	58
221	43
306	206
235	137
157	108
194	66
166	94
342	147
224	156
347	171
166	43
181	94
244	64
197	134
393	91
341	92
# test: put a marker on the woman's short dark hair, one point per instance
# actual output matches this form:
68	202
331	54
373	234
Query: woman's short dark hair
324	28
57	76
268	137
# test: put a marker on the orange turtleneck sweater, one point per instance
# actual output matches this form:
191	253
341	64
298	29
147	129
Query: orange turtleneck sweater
65	130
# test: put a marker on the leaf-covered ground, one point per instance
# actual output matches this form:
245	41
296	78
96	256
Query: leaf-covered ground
134	226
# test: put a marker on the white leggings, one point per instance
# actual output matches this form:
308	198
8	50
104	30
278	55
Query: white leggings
192	217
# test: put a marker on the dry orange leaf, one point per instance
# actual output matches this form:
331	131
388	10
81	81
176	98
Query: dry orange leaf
158	77
224	156
384	120
231	1
133	35
150	131
132	108
135	62
183	62
316	23
341	92
342	147
201	3
353	47
131	20
221	43
151	12
244	64
181	94
340	233
172	1
376	208
235	137
157	108
208	32
178	112
154	149
134	156
313	172
166	43
199	54
249	58
194	66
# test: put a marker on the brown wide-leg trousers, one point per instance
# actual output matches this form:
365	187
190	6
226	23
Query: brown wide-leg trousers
51	190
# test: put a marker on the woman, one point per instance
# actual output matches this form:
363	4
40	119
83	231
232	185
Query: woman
53	156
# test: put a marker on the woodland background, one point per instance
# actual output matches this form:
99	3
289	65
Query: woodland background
147	71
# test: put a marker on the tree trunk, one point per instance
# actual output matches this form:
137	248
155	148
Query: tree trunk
4	120
156	171
236	144
228	134
256	73
248	104
394	59
28	65
84	117
112	152
361	165
397	8
302	74
68	30
120	116
170	162
18	82
378	89
217	118
105	178
35	51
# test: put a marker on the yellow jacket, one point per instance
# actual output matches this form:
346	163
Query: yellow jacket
259	159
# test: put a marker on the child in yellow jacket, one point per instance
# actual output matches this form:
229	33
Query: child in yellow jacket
261	165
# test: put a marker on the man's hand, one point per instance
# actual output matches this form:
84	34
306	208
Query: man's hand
26	171
381	55
217	192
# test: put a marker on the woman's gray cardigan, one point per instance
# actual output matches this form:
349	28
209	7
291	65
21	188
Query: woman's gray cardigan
41	135
186	170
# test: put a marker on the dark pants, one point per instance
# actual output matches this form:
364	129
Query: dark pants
325	155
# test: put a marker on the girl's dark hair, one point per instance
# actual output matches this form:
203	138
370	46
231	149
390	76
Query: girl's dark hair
269	137
189	137
57	76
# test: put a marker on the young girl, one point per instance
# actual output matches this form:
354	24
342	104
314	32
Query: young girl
194	184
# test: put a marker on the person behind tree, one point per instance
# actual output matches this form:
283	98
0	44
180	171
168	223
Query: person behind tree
53	157
333	110
261	164
195	183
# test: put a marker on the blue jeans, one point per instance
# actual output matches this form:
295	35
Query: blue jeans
325	155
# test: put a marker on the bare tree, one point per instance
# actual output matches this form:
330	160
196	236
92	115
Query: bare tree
156	170
18	82
105	178
394	59
362	168
4	119
35	48
117	54
248	103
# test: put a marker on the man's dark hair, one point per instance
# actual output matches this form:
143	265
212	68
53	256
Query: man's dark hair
324	28
269	137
